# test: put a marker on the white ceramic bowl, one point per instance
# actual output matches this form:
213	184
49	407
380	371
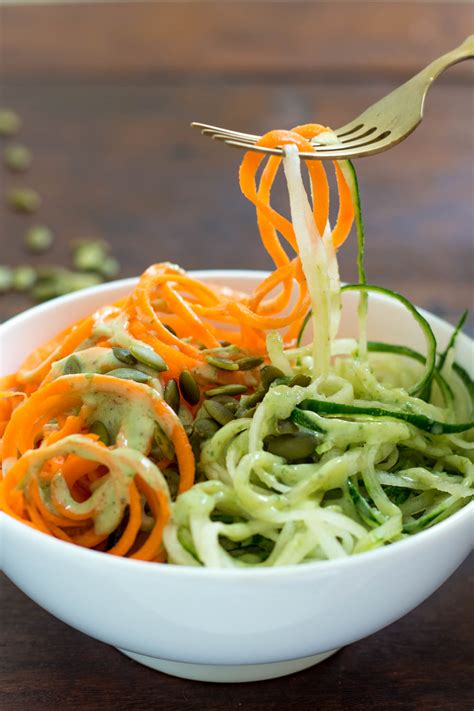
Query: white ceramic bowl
228	625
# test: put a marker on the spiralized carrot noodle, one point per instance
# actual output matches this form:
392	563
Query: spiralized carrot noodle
88	455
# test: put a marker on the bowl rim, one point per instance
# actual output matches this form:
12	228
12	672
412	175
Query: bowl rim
301	569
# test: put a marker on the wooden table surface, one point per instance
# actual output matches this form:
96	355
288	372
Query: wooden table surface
106	93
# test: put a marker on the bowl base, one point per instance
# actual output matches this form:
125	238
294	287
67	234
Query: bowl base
223	673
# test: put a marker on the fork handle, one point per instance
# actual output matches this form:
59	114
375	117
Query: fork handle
464	51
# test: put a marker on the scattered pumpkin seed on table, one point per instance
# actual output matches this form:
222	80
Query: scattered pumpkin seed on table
89	254
17	157
25	200
24	277
6	278
39	238
10	122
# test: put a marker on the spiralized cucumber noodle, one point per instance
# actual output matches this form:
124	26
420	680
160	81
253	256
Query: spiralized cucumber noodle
393	437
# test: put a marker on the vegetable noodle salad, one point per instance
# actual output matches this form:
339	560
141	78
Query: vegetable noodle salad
202	426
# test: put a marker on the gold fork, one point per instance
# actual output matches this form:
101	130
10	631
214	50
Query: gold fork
380	127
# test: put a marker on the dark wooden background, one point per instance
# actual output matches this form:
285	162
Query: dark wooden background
106	93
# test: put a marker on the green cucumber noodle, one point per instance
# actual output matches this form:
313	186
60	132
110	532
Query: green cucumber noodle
383	466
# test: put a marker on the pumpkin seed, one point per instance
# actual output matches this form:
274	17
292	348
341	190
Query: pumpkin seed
163	444
220	413
10	122
195	441
172	479
222	363
6	278
291	446
109	268
171	394
39	238
286	426
129	374
89	254
268	374
300	379
24	277
255	398
249	363
17	158
245	412
205	427
24	200
72	366
231	389
98	428
230	402
148	357
124	356
189	388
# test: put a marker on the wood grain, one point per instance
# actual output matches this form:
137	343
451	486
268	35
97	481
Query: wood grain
224	39
106	93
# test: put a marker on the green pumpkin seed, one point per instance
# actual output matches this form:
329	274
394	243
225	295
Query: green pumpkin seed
286	427
6	278
255	398
171	394
24	200
163	444
98	428
172	479
39	238
231	389
89	254
109	268
189	388
124	356
292	446
249	363
195	441
245	412
129	374
230	402
72	366
148	357
205	427
300	379
24	277
268	374
17	158
220	413
222	363
10	122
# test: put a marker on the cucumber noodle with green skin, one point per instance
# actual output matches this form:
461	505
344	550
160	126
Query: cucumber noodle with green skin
394	443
